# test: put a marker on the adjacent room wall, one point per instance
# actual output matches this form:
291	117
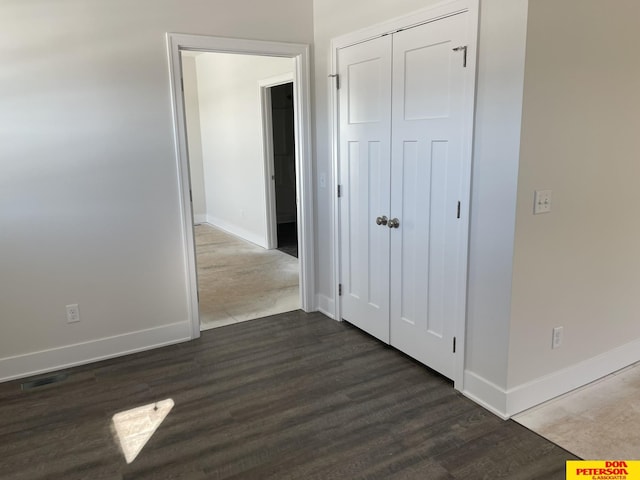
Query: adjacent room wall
89	200
232	140
194	142
578	266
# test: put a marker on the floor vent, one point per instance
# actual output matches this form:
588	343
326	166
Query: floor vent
44	381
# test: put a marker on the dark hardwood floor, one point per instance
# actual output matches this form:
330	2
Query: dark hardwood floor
293	396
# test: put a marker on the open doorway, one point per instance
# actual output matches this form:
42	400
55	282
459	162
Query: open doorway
284	167
235	165
234	191
279	146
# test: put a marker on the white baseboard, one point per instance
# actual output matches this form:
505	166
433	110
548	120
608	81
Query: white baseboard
485	393
35	363
506	403
326	305
199	218
533	393
237	231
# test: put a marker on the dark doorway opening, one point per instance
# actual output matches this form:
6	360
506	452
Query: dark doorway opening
284	163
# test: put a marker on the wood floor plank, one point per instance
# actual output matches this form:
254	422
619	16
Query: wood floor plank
290	396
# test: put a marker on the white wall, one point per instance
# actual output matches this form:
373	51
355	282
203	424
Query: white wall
579	265
499	93
194	142
89	202
232	143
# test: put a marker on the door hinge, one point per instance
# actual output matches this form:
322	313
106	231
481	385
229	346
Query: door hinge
182	84
337	77
464	57
339	289
454	344
458	209
190	196
339	191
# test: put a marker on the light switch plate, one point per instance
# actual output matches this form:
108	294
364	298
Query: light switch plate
556	342
542	201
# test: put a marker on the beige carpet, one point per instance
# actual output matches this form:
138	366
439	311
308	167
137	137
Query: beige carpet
600	421
239	281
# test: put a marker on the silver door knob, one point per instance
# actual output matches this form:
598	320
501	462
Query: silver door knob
394	223
381	220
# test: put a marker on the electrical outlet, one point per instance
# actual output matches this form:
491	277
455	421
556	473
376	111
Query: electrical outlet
542	201
556	342
73	313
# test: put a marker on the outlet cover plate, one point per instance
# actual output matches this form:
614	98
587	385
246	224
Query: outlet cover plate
542	201
73	313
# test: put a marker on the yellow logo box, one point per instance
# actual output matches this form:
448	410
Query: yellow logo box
603	470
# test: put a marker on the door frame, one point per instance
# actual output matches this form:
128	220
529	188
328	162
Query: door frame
422	16
177	42
267	145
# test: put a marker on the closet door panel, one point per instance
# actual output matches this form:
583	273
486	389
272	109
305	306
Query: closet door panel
426	173
364	143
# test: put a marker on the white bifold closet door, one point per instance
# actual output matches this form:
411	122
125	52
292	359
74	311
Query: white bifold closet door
365	166
401	126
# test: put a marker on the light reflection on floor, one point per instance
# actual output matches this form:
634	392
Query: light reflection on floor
133	428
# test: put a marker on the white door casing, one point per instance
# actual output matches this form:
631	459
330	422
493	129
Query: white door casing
431	98
264	87
304	186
